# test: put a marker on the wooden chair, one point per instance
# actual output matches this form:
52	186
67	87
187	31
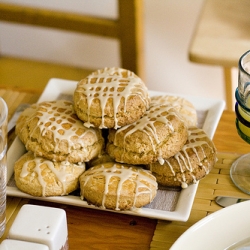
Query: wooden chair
23	73
221	37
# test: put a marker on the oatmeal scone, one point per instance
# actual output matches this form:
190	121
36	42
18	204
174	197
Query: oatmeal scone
185	108
118	186
41	177
159	134
52	130
110	98
193	162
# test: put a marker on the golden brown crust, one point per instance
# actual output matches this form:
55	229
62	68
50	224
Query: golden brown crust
110	98
40	177
118	186
102	158
52	130
185	108
192	163
159	134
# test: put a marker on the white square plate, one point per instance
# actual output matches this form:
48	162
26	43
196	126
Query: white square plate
209	111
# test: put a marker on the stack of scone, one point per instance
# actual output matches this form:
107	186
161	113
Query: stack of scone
58	146
130	142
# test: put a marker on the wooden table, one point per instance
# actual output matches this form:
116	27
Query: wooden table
92	229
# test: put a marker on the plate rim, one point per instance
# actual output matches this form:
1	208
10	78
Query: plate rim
211	218
186	198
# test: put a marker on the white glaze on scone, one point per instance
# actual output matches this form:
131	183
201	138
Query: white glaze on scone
118	186
52	130
193	162
185	108
41	177
159	134
113	90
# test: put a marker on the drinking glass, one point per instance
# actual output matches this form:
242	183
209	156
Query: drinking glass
240	169
3	162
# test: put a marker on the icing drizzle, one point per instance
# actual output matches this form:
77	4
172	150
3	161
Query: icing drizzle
60	173
115	83
196	140
59	118
124	173
183	106
156	113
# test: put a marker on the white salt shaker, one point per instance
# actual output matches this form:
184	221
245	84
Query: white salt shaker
40	224
9	244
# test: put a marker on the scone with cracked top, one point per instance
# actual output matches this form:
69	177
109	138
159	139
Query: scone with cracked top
185	108
111	98
52	130
41	177
159	134
192	163
118	186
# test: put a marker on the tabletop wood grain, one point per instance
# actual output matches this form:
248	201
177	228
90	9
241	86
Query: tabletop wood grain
94	229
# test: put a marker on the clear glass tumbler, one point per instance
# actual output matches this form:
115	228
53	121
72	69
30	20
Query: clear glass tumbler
240	169
3	162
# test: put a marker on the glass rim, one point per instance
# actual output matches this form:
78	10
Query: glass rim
5	114
240	62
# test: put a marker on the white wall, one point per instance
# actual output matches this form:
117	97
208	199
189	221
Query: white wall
169	25
169	28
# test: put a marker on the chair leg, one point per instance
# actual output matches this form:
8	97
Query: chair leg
131	35
228	88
